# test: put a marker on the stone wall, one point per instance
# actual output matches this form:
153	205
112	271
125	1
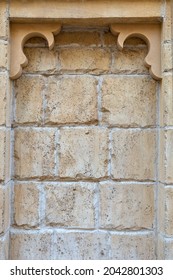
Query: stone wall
85	152
89	134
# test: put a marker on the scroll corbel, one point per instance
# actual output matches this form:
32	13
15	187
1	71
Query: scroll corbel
20	33
151	34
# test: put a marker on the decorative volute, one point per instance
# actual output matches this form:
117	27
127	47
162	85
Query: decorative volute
151	34
20	33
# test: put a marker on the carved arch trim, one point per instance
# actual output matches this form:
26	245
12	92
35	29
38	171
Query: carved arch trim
21	32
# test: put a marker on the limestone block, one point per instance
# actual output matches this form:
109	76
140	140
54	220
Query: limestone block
4	245
4	208
3	89
129	101
81	246
3	55
34	153
26	204
166	101
5	154
167	34
119	201
29	99
77	39
41	60
83	152
169	156
165	246
70	205
133	246
167	64
133	154
71	100
129	61
166	210
3	18
85	60
30	245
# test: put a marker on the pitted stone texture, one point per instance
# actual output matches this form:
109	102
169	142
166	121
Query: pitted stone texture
166	101
166	155
83	153
3	89
29	99
133	154
85	60
41	60
77	39
166	210
165	248
34	153
5	155
167	57
71	100
3	55
3	19
129	101
133	246
4	208
31	245
119	201
70	205
4	247
82	246
26	205
129	61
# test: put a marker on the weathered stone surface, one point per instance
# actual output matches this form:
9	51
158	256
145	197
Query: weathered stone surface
5	154
85	60
166	210
3	55
129	60
2	154
4	208
3	88
168	156
165	248
4	247
81	246
78	38
133	246
31	245
166	101
26	205
34	153
70	205
133	154
29	99
41	60
3	19
129	101
119	201
71	100
167	58
83	152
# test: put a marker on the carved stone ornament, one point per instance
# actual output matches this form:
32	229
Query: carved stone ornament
151	34
21	32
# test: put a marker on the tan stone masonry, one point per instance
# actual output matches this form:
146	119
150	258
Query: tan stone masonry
86	136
